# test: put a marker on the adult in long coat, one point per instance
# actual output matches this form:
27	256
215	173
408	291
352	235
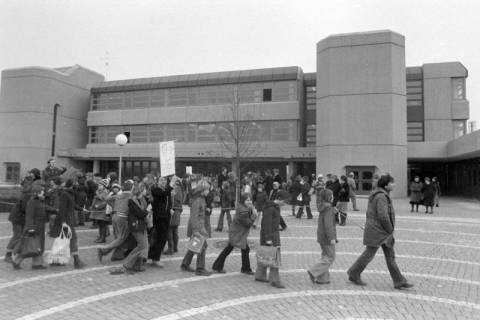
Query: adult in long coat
196	226
35	219
428	195
238	234
66	219
295	192
305	191
378	232
416	193
270	236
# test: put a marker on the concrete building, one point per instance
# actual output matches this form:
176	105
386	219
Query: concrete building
362	110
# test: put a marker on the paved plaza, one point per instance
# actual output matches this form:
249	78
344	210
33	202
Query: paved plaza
439	254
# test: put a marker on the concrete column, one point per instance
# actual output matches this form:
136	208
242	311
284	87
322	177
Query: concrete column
361	104
96	166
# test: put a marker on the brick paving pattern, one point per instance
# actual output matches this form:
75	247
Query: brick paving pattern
439	254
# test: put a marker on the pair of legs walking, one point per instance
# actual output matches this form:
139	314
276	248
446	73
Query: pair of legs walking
224	212
319	272
220	261
367	256
307	208
172	240
187	260
273	275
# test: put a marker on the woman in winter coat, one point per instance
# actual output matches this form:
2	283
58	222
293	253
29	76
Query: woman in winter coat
35	219
66	219
416	193
326	237
177	200
137	212
98	210
295	194
343	199
428	195
305	191
161	209
196	226
259	199
244	217
378	232
226	205
270	236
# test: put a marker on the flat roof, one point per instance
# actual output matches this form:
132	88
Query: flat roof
200	79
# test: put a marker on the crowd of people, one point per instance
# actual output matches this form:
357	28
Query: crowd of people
425	193
145	216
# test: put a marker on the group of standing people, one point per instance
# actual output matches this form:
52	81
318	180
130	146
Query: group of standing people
425	193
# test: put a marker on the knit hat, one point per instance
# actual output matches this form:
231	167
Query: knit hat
116	185
104	182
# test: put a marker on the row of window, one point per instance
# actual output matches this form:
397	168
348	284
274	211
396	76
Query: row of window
197	96
199	132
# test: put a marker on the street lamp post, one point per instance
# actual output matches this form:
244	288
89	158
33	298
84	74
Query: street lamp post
120	140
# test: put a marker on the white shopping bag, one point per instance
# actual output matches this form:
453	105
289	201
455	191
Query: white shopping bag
60	252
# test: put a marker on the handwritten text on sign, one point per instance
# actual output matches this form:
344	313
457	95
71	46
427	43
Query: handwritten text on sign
167	158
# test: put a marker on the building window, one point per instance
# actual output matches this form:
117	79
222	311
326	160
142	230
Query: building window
458	85
12	172
414	131
311	98
311	135
267	94
459	128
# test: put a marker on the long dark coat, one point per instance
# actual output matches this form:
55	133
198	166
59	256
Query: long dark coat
270	224
428	194
294	191
240	227
326	231
416	192
65	212
162	203
380	222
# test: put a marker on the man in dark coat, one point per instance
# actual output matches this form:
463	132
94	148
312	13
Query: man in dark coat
66	219
50	172
270	236
378	232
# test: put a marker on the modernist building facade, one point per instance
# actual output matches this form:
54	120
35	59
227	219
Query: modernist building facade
362	110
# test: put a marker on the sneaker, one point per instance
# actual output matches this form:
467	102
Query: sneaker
186	268
261	280
248	272
321	282
278	285
168	252
116	271
406	285
157	264
203	272
219	271
358	281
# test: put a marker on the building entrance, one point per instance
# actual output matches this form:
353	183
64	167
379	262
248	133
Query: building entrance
363	178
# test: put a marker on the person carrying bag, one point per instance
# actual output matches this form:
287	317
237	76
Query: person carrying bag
60	252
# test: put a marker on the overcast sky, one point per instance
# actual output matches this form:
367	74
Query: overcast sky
156	38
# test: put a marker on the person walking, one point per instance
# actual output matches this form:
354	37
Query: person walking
137	211
35	218
177	200
343	198
352	185
98	211
378	232
196	226
270	236
161	209
271	197
66	219
416	193
334	185
326	237
436	185
225	206
428	192
305	192
296	196
243	220
259	199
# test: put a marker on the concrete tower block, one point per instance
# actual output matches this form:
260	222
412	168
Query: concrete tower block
361	104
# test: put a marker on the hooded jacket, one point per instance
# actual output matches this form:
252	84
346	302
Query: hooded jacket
380	222
196	222
326	231
270	224
240	227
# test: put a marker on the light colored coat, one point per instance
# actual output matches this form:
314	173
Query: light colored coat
240	227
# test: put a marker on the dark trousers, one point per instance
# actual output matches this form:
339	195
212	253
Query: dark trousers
16	238
161	226
173	238
220	261
187	260
283	225
307	208
367	256
224	212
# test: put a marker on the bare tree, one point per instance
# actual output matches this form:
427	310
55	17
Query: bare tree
240	135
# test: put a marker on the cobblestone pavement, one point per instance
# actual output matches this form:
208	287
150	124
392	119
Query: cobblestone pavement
439	254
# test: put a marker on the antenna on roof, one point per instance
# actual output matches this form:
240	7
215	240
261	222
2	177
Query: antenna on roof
106	60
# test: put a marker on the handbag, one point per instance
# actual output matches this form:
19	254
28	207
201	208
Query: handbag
299	197
60	252
31	246
196	242
268	256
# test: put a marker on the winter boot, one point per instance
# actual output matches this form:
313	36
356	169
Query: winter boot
299	213
102	233
309	213
77	263
8	257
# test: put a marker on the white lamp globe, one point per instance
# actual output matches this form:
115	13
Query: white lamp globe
121	139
